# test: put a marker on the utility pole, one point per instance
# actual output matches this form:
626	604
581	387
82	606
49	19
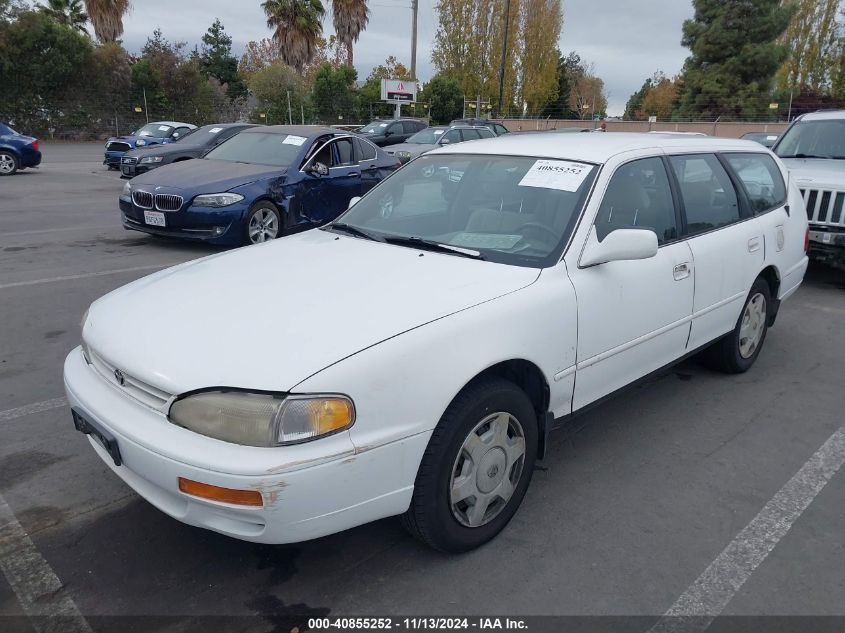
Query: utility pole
504	54
146	110
302	112
290	115
415	5
789	116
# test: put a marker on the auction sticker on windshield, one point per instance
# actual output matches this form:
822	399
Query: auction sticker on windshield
564	175
290	139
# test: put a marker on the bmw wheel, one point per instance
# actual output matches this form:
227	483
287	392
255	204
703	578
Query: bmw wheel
263	223
8	163
476	468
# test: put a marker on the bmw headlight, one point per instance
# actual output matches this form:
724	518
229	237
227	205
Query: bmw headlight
152	159
140	142
127	190
217	199
267	420
403	154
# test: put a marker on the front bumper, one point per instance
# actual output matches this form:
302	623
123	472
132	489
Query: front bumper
112	159
132	169
828	246
222	226
309	490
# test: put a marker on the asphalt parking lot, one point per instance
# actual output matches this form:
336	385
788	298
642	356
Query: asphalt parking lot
655	501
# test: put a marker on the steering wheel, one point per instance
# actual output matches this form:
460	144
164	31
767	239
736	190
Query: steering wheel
542	228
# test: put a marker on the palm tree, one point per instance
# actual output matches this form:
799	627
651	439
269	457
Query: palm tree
296	26
67	12
350	19
107	18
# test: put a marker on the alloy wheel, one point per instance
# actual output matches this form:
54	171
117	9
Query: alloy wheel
263	226
7	164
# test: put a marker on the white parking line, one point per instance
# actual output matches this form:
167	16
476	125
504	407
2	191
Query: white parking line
707	597
100	227
102	273
38	589
29	409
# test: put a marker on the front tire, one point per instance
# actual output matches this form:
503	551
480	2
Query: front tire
8	163
736	353
476	468
263	223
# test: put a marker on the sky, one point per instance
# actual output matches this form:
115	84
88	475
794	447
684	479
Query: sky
627	41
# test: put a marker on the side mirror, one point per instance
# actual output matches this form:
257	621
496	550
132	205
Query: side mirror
619	245
353	201
387	133
319	169
445	141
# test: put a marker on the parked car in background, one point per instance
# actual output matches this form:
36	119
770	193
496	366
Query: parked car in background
158	133
766	140
391	131
498	128
17	151
433	137
194	145
413	362
813	148
260	184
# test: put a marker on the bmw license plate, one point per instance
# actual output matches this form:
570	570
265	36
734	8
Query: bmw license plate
154	218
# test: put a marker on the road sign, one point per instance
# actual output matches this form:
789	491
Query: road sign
138	109
398	90
773	106
597	116
652	119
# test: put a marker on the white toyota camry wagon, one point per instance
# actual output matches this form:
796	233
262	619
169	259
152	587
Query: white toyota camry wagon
411	358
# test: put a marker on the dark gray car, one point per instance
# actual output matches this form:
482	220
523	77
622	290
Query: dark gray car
391	131
433	137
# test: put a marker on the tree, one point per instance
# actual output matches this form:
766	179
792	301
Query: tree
217	60
350	19
271	85
814	38
334	95
370	92
107	18
444	96
634	107
558	107
734	57
67	12
588	97
296	24
655	98
10	8
258	56
541	24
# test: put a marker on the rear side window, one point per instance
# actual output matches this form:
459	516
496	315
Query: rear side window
471	135
709	197
639	197
345	153
453	136
366	151
761	178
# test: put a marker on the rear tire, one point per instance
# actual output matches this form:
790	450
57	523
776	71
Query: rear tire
9	163
476	468
736	352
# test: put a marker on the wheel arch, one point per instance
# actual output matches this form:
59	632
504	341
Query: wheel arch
771	275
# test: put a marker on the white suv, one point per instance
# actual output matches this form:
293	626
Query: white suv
412	357
813	148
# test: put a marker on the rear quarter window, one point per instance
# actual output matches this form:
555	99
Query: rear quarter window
761	179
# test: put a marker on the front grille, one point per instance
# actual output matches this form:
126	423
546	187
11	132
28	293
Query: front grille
128	160
168	202
141	391
143	199
824	207
118	146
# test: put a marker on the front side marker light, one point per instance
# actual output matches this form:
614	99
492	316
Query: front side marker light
232	496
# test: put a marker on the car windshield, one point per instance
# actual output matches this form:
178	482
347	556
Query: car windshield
376	127
260	148
428	136
813	139
512	210
156	130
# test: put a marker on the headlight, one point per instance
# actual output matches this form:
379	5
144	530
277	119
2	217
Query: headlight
127	189
217	199
152	159
140	142
403	154
254	419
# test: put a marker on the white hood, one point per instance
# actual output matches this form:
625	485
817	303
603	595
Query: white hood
267	317
815	173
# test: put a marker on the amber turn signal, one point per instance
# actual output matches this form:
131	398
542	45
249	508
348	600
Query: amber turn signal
224	495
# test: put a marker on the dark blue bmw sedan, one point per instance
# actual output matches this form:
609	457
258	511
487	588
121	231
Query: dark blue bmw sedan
258	185
17	151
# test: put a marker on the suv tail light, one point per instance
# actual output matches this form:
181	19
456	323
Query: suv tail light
807	241
34	144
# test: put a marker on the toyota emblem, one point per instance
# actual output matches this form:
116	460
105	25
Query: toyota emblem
119	377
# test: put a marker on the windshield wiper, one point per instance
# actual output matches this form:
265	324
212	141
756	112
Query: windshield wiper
430	245
353	230
805	156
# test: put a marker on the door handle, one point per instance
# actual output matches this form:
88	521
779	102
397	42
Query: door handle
353	174
754	245
681	271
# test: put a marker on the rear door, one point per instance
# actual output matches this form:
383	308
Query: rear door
371	173
726	241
